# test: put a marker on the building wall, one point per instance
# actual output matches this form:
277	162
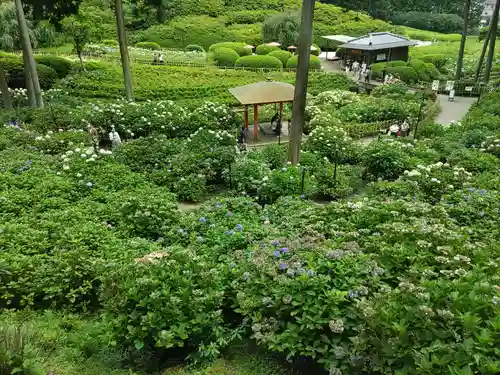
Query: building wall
400	53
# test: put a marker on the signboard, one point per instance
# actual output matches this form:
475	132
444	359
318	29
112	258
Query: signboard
449	85
468	88
435	85
381	57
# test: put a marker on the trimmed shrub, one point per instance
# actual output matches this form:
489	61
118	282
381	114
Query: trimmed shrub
420	68
225	57
264	49
15	71
110	42
283	56
148	45
432	71
439	22
317	51
61	65
437	59
195	48
404	73
314	62
265	62
238	47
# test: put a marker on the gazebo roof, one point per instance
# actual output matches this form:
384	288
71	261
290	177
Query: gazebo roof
339	38
264	93
377	41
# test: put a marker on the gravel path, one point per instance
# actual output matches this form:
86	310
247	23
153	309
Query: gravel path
453	110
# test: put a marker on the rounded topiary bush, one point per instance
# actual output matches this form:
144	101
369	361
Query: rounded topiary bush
194	48
421	69
61	65
314	62
15	70
316	51
404	73
148	45
283	56
437	59
432	71
259	62
265	49
224	57
239	48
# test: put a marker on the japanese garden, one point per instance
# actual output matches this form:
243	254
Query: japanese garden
258	187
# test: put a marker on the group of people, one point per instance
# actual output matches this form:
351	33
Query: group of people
386	77
402	130
158	59
360	70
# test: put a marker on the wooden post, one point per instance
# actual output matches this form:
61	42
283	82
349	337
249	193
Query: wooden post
255	121
281	112
246	116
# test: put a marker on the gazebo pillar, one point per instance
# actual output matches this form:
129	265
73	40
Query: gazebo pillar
255	121
246	116
281	112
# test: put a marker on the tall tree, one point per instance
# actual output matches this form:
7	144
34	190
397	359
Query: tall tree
53	10
30	88
81	30
28	52
461	51
492	41
301	80
122	40
483	53
7	99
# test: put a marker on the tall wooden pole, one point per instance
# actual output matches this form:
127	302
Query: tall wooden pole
30	89
460	61
301	80
122	40
483	53
26	45
493	39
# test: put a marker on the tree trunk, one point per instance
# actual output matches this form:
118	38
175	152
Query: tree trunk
122	40
81	60
26	45
30	89
161	14
301	80
460	61
483	53
493	39
7	100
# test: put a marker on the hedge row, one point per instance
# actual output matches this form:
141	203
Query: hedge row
258	62
414	71
15	71
238	47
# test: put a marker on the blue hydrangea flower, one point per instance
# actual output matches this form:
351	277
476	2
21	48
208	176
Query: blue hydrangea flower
229	214
275	243
303	196
230	232
311	273
284	250
218	205
239	227
203	220
277	253
282	266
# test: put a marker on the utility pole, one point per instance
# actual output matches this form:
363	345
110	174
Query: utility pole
122	40
483	53
460	61
28	51
493	39
301	80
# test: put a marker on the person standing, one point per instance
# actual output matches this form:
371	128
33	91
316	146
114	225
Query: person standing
368	75
355	66
160	59
155	59
384	74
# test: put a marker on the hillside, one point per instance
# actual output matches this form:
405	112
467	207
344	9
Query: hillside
237	24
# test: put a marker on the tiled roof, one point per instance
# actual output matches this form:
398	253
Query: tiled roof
264	93
378	41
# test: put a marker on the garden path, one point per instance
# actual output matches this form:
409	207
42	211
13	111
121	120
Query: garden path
453	110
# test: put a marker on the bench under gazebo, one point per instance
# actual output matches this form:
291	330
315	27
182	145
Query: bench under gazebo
262	93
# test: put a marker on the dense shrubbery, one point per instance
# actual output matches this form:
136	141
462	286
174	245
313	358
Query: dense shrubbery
265	49
194	48
239	48
61	65
283	56
442	23
148	45
257	62
15	70
314	62
224	57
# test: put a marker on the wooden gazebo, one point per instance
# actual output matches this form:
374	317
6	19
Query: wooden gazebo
261	93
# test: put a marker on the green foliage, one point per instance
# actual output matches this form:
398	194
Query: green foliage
404	73
239	48
265	49
194	48
386	160
316	51
282	28
314	62
61	65
283	56
15	69
247	17
393	91
439	22
148	45
437	60
258	62
224	57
